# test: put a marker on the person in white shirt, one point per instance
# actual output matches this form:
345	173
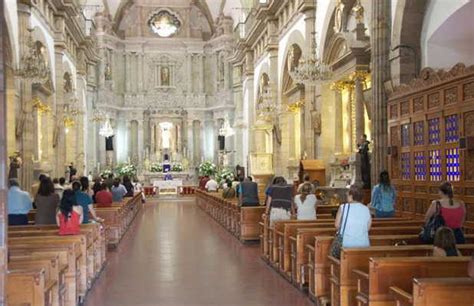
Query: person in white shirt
306	203
306	180
211	185
58	189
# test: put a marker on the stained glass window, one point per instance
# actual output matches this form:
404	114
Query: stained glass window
435	166
452	128
406	170
453	172
419	131
420	166
434	131
405	132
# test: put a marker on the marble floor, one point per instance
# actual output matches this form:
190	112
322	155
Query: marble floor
174	254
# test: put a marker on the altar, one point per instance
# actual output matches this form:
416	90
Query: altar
168	187
187	178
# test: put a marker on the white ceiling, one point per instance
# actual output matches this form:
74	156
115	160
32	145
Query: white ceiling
231	8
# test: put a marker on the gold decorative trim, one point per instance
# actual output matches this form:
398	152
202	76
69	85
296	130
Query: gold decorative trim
295	106
40	106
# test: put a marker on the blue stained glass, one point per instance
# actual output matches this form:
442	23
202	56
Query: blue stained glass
452	128
434	131
453	170
435	166
405	133
406	170
419	133
420	166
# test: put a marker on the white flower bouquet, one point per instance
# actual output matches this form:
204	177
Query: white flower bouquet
207	168
156	167
126	170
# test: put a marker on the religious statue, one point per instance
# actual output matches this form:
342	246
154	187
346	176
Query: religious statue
15	164
358	10
316	122
364	161
293	58
108	72
338	14
67	82
165	76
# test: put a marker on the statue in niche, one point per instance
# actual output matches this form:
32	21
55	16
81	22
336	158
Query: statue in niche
292	60
316	122
15	164
358	10
165	76
338	16
364	161
67	82
108	72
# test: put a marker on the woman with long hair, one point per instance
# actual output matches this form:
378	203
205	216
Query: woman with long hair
280	204
452	210
445	243
69	217
384	197
306	203
127	183
47	202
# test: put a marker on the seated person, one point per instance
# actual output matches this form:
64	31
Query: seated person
103	197
19	204
306	180
248	193
445	243
127	183
306	203
47	203
69	216
211	185
85	201
118	191
203	181
228	192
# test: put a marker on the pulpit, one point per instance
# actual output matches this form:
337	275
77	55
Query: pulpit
316	170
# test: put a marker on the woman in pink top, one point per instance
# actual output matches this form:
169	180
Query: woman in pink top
453	211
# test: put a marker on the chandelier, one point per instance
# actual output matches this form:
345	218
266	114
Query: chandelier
34	66
312	70
106	130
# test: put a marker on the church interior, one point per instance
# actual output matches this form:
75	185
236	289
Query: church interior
171	96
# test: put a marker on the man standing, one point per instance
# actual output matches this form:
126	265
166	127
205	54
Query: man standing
19	204
248	193
72	172
364	161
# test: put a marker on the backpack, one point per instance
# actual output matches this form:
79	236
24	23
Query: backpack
431	226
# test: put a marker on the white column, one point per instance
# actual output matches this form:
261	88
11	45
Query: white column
127	72
202	88
140	140
189	64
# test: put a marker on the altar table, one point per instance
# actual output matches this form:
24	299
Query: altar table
168	187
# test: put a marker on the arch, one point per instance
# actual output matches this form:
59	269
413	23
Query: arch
335	48
447	34
296	37
40	33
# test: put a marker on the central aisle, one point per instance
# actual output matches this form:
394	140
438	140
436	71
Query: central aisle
174	254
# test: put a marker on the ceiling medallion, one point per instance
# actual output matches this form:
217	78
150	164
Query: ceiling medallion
164	24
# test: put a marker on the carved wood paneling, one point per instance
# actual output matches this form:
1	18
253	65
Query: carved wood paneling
448	96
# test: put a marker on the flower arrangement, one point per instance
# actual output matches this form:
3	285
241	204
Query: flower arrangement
156	167
106	173
126	169
207	168
177	167
225	175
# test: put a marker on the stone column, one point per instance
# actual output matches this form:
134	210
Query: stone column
141	147
202	87
128	127
359	106
140	73
338	129
380	46
127	72
226	72
189	63
197	127
189	152
152	139
3	161
307	130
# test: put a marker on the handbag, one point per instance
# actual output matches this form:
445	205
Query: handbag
336	244
431	226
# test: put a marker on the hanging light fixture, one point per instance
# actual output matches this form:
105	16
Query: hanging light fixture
311	70
106	130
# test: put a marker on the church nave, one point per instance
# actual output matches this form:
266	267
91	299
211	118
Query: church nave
174	254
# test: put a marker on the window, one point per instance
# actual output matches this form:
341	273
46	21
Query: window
164	24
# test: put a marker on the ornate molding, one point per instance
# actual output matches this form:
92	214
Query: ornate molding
429	77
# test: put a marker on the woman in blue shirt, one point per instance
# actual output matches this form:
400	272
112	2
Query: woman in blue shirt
384	197
84	200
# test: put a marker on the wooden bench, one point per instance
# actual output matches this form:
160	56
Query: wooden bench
452	291
390	279
344	282
29	287
242	222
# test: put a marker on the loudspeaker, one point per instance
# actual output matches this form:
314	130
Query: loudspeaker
221	140
109	143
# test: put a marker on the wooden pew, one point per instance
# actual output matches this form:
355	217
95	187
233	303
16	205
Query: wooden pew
29	287
453	291
52	275
344	282
69	256
389	279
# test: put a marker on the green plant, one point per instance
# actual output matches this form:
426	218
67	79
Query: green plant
156	167
207	168
177	167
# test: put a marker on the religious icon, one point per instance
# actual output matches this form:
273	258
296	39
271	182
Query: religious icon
338	14
15	164
316	121
165	76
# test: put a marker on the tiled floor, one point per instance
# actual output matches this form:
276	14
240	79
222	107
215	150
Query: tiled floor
174	254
